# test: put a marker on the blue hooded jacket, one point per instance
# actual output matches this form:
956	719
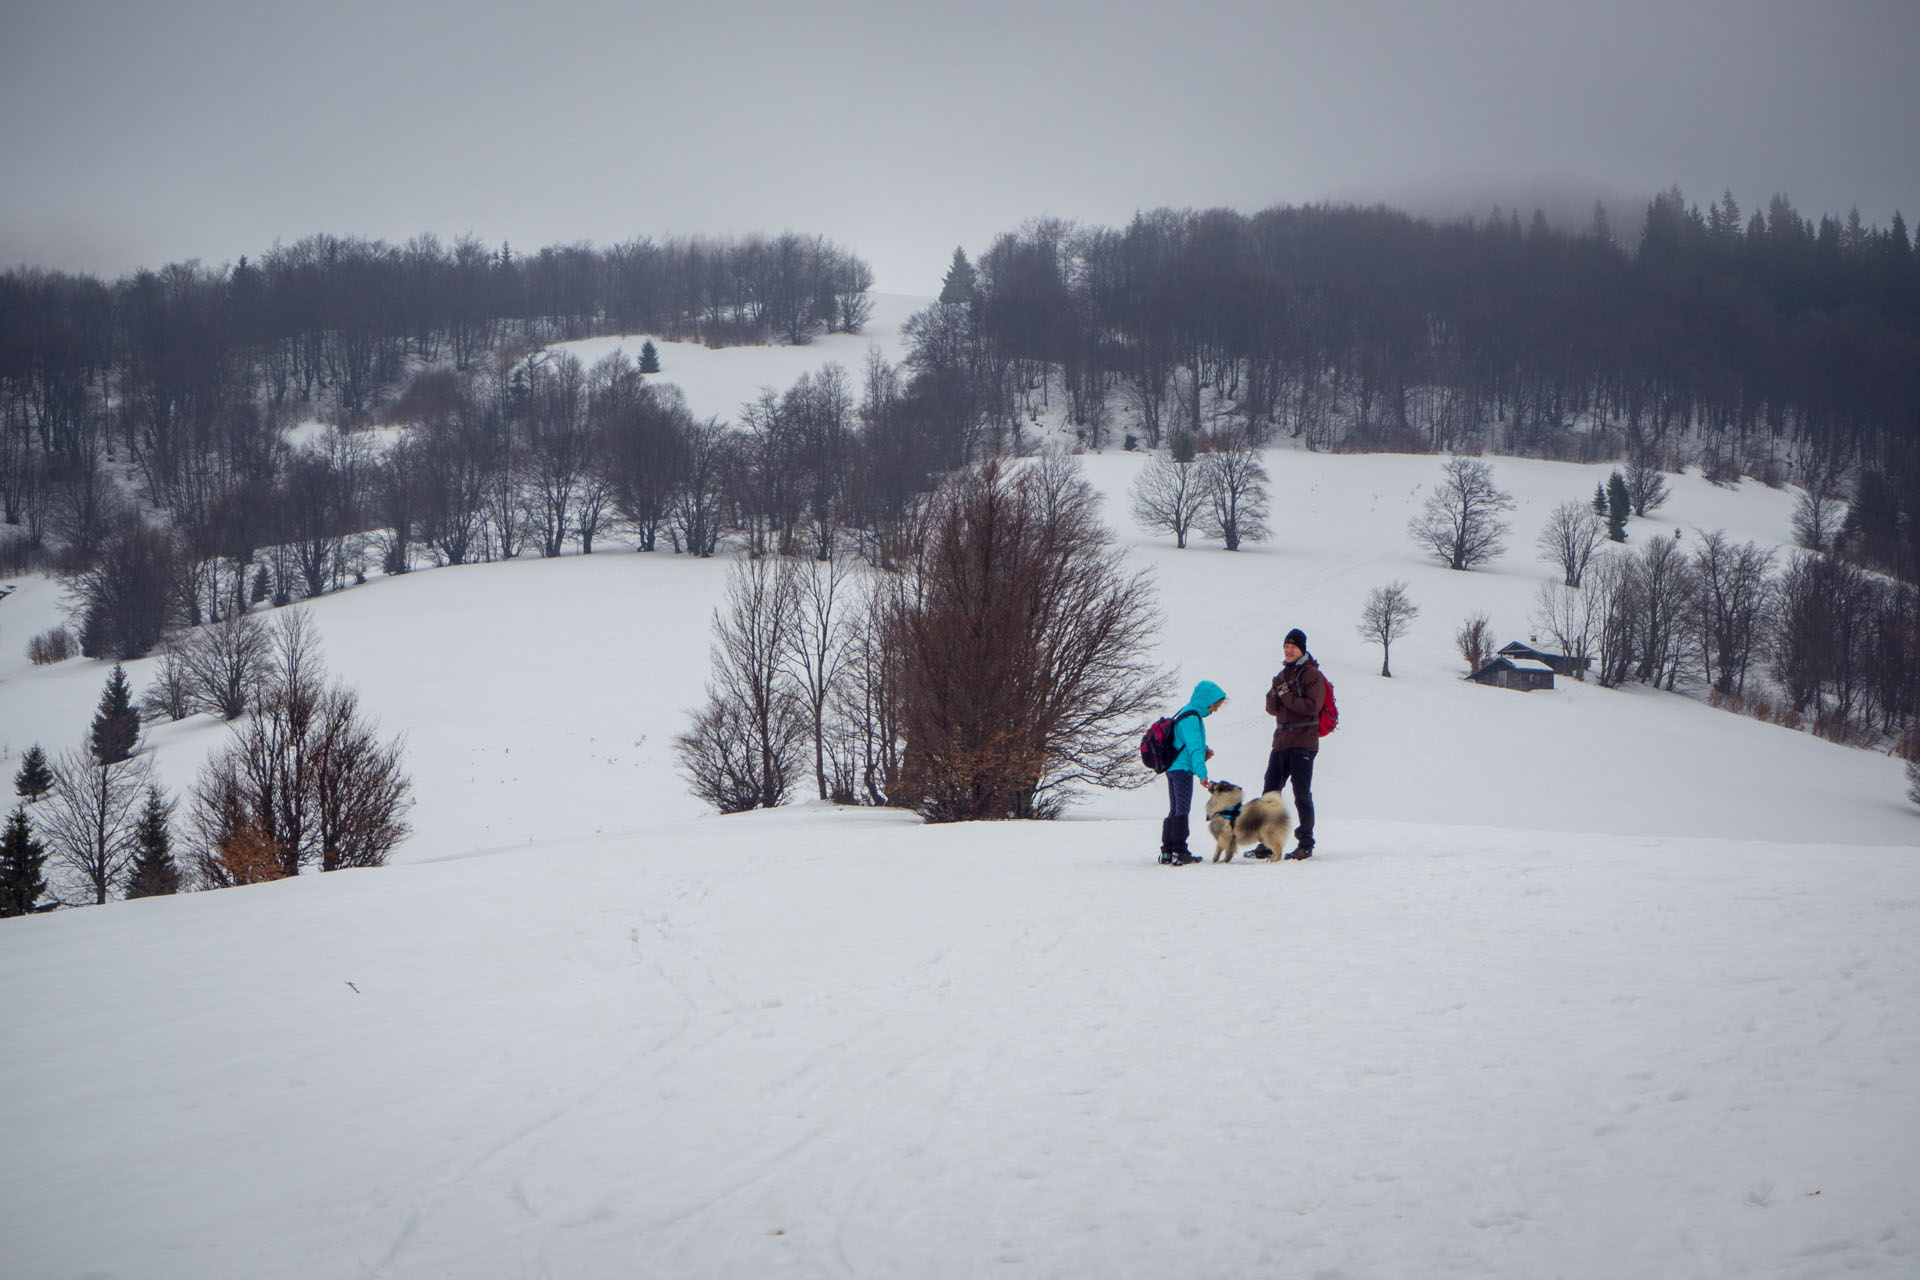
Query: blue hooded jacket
1190	734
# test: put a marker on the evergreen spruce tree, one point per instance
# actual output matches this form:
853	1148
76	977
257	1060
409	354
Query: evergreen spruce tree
649	357
21	858
1874	513
116	725
1600	500
35	778
154	872
1619	507
958	284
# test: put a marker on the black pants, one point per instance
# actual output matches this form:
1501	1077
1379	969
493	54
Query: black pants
1175	826
1295	763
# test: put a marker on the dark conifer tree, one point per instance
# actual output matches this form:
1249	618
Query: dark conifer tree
958	284
1600	500
649	357
116	725
1872	524
21	859
34	778
1619	507
154	872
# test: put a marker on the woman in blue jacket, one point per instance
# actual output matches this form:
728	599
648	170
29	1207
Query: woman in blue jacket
1191	754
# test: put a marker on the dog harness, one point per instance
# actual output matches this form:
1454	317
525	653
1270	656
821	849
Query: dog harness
1231	814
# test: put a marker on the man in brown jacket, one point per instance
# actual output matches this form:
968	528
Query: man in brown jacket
1294	701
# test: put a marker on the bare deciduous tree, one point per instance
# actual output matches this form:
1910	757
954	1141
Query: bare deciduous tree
1235	485
171	693
869	705
1646	487
754	723
557	453
817	651
360	792
1735	597
1023	649
707	463
1611	608
1572	537
852	308
1567	614
224	663
92	822
319	511
718	758
1460	523
1817	517
643	431
305	783
1475	641
1820	632
125	598
1388	613
1168	495
1663	587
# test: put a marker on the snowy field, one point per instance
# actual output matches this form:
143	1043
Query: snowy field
1583	983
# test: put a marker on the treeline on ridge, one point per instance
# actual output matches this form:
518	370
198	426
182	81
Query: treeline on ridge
1769	346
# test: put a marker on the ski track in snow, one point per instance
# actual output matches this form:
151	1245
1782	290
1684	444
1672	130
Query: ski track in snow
1425	1056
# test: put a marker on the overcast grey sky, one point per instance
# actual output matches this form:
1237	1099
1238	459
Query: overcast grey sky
153	131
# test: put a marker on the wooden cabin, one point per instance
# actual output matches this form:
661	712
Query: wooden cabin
1560	663
1525	674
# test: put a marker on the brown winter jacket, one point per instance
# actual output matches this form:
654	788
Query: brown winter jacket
1295	700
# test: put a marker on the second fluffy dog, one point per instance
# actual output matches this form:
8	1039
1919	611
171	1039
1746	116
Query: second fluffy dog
1235	821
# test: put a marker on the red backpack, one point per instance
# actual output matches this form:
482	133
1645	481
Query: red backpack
1156	747
1329	712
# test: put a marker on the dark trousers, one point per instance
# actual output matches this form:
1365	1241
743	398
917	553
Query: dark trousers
1173	831
1295	763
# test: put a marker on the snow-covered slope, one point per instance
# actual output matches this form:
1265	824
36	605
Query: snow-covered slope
1586	983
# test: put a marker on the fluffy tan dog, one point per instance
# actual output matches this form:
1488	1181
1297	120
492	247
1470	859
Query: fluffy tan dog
1236	821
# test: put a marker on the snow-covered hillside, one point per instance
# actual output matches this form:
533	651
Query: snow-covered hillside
1584	983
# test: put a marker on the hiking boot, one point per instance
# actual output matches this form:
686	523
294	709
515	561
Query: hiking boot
1299	853
1179	858
1259	851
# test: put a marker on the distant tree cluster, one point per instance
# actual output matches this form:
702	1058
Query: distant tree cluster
187	375
1001	665
535	455
305	782
1760	335
1220	492
1769	346
1835	639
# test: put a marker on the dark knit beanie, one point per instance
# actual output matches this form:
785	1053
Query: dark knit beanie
1297	637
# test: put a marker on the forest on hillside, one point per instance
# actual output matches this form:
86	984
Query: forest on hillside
158	450
145	451
1769	346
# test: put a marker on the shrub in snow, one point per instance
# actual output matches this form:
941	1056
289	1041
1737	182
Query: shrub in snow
50	647
306	783
1023	648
